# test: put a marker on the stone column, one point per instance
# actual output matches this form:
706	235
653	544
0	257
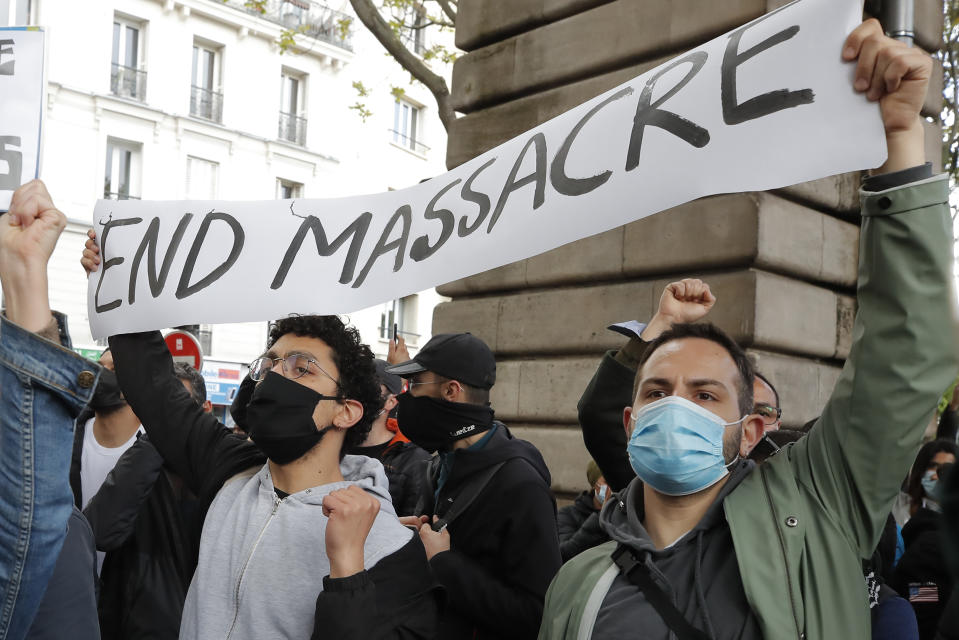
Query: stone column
782	263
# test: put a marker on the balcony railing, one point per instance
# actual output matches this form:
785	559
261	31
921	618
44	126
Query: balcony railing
128	82
113	195
303	16
206	104
292	129
409	143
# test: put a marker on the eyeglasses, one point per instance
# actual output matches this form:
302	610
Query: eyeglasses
410	384
768	413
295	366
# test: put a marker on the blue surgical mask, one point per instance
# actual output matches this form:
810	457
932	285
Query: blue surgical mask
930	486
677	446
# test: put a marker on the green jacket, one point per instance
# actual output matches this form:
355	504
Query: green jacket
801	522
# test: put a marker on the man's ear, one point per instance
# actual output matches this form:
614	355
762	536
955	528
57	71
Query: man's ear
207	406
753	429
348	413
390	403
628	424
453	391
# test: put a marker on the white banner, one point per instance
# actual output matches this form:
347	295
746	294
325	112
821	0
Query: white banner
766	105
21	105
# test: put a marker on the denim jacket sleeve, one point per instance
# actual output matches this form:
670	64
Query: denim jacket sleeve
43	386
902	358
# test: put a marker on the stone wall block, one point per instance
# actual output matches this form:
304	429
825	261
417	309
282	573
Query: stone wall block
794	316
928	24
542	390
478	316
619	33
837	195
804	385
598	257
800	241
562	448
479	22
509	276
725	234
505	394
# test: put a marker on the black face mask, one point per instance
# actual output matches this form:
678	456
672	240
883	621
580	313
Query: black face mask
240	403
280	418
436	424
107	395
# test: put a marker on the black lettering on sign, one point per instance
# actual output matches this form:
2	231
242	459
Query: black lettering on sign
357	229
405	215
476	197
512	184
735	112
649	113
112	262
557	171
6	49
149	245
421	249
184	288
14	161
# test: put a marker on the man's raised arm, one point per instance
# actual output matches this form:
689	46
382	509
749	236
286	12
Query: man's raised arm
904	348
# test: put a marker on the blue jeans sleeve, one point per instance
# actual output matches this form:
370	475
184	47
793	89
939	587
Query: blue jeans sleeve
43	386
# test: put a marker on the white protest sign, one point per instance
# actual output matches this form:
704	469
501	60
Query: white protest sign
767	105
21	105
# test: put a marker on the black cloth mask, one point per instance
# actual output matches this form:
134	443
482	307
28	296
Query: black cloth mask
280	418
107	396
436	424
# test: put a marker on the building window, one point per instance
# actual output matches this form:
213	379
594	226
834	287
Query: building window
127	78
201	179
413	29
122	175
288	190
292	127
206	101
406	127
403	313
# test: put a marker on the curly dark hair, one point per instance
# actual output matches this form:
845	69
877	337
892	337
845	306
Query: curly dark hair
352	358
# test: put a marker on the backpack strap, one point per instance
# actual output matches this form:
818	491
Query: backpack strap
638	574
456	505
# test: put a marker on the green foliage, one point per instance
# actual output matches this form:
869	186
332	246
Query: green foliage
949	55
361	89
397	93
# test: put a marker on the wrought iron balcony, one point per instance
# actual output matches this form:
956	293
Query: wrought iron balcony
309	18
128	82
407	142
292	129
206	104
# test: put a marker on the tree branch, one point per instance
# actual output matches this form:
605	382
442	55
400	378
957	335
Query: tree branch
372	20
448	9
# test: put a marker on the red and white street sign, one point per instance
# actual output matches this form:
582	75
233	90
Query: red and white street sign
185	348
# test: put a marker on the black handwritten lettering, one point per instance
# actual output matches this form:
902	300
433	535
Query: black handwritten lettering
14	160
512	184
649	113
357	230
735	112
6	49
404	214
184	288
421	249
149	245
112	262
476	197
557	172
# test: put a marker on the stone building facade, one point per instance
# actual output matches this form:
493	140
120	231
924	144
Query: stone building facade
782	264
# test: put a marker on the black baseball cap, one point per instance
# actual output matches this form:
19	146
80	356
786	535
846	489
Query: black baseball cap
457	356
392	382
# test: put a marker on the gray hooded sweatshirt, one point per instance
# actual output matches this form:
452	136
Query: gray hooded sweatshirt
262	559
699	572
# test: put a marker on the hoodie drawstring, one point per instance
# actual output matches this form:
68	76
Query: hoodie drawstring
697	578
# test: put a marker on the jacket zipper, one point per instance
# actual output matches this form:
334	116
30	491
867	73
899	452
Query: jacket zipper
782	547
236	591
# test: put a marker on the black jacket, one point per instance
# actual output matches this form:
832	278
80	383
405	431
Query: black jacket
405	466
205	454
143	518
578	526
923	563
504	548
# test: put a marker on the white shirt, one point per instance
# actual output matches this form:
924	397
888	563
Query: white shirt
96	461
